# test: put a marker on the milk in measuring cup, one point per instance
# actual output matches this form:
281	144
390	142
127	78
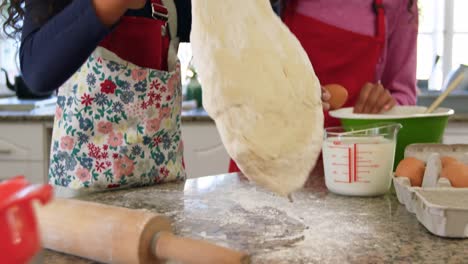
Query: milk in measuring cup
359	166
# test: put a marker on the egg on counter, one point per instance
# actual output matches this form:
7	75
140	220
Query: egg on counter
456	173
338	95
413	169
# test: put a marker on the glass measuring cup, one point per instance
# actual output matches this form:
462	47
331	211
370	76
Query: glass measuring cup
359	161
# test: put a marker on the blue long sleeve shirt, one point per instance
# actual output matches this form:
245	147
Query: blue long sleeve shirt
51	52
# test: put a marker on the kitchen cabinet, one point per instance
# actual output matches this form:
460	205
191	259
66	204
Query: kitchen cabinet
34	171
23	151
204	152
456	133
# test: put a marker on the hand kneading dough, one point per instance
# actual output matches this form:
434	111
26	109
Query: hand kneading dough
260	88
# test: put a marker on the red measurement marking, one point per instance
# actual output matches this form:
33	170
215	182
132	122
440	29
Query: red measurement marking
364	171
349	165
365	152
355	162
364	161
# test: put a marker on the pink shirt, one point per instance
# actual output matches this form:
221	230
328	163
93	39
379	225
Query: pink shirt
397	67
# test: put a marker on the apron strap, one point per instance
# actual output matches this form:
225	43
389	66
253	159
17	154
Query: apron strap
159	11
380	11
166	10
171	11
172	59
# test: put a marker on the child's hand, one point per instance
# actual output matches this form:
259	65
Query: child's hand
373	99
325	98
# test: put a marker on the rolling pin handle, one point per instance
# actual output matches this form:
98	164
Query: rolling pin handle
166	246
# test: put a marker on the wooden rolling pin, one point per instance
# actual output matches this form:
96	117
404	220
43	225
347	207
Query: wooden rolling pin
119	235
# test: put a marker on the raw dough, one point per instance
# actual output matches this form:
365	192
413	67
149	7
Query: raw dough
260	88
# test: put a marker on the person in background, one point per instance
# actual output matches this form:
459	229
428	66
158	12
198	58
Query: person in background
367	46
114	64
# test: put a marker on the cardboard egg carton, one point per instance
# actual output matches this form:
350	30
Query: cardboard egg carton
438	206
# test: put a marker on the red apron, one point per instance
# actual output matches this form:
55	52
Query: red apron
145	50
338	56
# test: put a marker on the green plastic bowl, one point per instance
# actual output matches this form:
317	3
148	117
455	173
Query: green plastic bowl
418	127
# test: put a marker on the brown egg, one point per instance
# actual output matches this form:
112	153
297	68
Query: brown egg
446	160
457	174
413	169
339	95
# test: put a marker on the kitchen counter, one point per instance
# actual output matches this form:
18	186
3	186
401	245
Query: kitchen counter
318	227
46	114
459	118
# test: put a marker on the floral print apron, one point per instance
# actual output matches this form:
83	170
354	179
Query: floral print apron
117	125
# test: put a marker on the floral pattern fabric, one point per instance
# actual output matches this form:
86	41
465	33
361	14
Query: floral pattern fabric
117	125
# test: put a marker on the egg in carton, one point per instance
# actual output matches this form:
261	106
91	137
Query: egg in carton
434	175
440	207
430	155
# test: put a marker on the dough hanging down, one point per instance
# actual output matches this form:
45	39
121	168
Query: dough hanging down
260	88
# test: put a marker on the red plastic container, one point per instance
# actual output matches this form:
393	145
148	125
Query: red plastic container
19	236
